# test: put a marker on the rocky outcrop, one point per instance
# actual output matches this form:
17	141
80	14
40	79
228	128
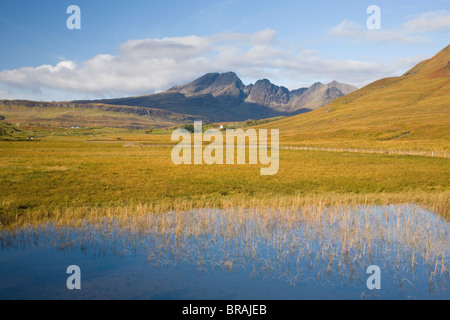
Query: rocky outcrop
265	93
225	84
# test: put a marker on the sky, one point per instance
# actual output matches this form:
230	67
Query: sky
137	47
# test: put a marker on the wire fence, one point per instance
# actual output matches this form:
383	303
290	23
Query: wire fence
396	152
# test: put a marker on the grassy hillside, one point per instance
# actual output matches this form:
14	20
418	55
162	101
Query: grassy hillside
8	132
65	114
412	110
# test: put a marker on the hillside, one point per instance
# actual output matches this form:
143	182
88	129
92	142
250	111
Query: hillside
66	114
10	133
412	109
223	97
212	98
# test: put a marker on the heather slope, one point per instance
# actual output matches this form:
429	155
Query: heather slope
412	109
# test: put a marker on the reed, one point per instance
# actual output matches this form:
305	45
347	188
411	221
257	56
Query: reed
436	202
298	241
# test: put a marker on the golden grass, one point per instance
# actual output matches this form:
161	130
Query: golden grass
434	202
293	239
62	173
70	193
408	112
76	172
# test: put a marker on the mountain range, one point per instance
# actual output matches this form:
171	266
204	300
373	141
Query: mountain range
220	97
413	108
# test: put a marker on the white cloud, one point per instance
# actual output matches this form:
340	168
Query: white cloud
429	21
359	33
184	47
411	32
267	36
150	65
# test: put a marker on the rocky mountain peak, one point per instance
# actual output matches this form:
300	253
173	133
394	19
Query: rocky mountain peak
216	84
223	97
231	91
266	93
316	85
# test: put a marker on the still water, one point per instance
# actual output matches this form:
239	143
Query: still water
233	254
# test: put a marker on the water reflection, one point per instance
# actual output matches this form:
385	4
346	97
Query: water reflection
311	252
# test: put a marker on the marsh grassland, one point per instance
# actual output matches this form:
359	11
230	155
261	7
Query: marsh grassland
60	173
313	228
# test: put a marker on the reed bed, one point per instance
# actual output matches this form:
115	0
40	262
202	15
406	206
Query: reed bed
303	241
438	203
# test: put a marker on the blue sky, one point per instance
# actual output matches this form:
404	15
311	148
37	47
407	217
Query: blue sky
141	47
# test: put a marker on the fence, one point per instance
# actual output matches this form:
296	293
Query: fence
398	152
395	152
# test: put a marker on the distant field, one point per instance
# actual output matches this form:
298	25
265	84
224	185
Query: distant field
37	177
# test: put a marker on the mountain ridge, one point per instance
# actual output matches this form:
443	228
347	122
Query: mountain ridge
68	113
214	97
219	97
